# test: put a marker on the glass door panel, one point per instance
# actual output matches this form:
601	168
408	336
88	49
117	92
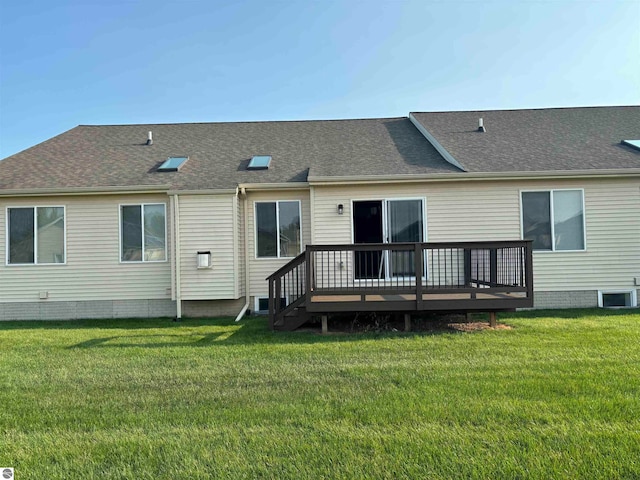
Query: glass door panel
367	228
404	224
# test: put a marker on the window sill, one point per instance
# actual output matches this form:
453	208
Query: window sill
35	264
546	252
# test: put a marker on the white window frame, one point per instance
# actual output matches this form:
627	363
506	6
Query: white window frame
142	205
552	219
35	235
255	227
256	303
633	297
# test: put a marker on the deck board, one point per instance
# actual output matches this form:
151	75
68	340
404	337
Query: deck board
412	298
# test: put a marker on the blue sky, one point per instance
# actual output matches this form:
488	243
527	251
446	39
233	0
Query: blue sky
65	63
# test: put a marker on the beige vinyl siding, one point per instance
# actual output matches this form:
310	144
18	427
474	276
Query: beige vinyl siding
612	257
460	212
207	222
93	270
491	211
261	268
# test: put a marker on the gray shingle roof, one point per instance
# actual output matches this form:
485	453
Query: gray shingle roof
515	141
102	156
538	140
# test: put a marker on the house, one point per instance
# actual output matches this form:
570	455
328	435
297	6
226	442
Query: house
190	219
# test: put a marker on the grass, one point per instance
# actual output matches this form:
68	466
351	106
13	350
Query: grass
558	396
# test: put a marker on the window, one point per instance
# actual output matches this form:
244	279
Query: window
278	231
172	164
143	233
554	219
619	299
36	235
259	162
632	143
262	304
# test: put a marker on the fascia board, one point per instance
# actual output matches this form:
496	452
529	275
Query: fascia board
462	177
116	190
274	186
210	191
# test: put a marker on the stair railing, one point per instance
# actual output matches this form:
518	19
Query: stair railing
287	287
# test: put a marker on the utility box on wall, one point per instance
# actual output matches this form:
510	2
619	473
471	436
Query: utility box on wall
204	259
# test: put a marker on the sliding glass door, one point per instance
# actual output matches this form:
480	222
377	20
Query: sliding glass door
387	221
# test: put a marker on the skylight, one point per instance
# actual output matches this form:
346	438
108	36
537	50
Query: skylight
172	164
259	162
632	143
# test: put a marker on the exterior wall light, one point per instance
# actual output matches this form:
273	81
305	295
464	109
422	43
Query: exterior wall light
340	209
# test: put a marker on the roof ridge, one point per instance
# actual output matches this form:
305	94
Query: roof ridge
247	122
527	109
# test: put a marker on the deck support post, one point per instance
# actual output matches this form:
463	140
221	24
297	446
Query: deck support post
325	324
407	322
492	319
272	304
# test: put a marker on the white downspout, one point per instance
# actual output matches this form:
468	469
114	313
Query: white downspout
246	254
176	240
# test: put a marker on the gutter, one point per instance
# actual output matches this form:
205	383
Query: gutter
470	177
274	186
35	192
209	191
245	206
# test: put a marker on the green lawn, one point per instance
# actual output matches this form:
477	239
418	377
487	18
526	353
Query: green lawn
558	396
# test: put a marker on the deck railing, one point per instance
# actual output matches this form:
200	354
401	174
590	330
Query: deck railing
419	271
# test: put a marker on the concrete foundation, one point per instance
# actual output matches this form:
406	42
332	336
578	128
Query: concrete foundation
47	310
571	299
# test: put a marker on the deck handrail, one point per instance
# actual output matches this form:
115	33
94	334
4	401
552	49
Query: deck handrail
425	245
418	270
290	280
294	261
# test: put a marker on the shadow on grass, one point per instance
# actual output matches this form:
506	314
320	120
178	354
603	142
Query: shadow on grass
153	341
220	332
107	323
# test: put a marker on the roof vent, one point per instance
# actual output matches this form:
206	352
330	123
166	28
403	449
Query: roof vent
259	162
150	138
481	125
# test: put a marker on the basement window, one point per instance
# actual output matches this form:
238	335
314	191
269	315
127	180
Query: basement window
619	299
259	162
262	304
632	143
173	164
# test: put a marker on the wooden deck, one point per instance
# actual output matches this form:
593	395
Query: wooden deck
412	297
401	277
